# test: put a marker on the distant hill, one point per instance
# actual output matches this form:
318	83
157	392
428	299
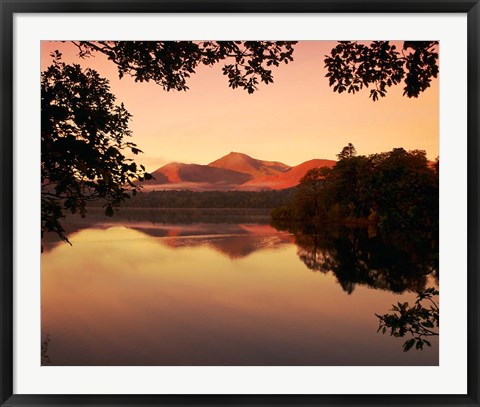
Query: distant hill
245	164
288	178
178	174
235	171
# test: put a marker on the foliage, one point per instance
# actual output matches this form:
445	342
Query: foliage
348	151
309	200
171	63
408	190
417	320
210	199
45	358
83	143
352	65
395	190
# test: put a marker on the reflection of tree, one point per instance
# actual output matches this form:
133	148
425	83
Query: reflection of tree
355	258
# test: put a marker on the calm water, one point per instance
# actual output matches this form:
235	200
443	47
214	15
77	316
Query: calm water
223	287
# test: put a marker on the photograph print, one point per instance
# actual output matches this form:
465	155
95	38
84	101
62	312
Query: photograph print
240	203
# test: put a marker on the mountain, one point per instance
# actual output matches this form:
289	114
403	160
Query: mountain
235	171
287	179
245	164
178	174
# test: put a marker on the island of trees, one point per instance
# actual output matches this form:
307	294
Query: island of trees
396	190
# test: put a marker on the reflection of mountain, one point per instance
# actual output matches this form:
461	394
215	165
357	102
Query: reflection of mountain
185	218
235	171
233	246
235	233
235	241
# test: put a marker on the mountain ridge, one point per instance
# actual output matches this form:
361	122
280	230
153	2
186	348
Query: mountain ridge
244	163
289	178
234	171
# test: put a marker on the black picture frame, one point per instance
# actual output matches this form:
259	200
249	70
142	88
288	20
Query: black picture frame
9	8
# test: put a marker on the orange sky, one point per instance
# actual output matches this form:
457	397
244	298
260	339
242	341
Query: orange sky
295	119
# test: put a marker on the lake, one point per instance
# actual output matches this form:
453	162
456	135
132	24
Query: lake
224	287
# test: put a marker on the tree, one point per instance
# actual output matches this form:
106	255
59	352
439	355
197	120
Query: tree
347	152
406	191
83	136
171	63
348	187
397	190
310	199
352	65
418	321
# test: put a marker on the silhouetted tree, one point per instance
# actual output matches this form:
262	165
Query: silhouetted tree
309	199
171	63
397	190
45	358
212	199
418	321
348	151
352	65
407	190
348	187
83	142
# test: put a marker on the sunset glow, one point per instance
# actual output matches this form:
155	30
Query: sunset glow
263	225
293	120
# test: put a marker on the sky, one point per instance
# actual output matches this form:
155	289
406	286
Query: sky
295	119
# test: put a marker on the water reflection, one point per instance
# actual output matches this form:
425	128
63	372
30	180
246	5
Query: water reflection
234	246
135	292
172	222
356	257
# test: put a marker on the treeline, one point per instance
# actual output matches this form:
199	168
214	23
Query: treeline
210	199
395	190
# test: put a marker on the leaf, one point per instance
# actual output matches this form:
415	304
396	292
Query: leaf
408	345
109	210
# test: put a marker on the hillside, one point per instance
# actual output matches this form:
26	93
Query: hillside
178	174
245	164
288	178
234	171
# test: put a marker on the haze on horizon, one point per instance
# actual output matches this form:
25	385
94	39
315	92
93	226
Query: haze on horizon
295	119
